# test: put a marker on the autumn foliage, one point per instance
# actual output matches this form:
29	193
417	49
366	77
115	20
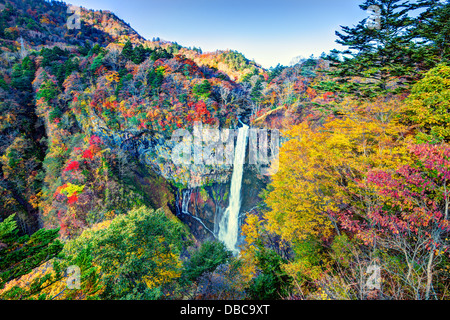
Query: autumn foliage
360	183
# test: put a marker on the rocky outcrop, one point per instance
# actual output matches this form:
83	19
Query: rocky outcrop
201	192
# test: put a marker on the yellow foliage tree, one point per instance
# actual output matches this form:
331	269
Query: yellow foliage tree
321	169
251	231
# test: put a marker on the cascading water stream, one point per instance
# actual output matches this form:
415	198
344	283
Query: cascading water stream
229	224
185	201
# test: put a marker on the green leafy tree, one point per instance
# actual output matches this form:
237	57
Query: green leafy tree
50	281
203	89
98	61
155	78
427	108
381	51
256	90
23	75
275	72
433	26
272	282
48	91
139	54
127	50
97	49
210	255
138	253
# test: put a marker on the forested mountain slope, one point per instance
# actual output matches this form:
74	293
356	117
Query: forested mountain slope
88	176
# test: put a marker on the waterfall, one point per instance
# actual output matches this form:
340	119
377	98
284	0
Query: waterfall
229	224
185	199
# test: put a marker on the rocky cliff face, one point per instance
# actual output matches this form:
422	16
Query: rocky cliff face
104	81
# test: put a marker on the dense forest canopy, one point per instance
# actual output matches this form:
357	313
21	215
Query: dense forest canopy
357	208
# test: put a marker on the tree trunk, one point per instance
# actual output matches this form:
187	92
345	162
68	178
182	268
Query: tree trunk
429	274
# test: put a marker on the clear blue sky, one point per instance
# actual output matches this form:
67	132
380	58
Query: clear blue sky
269	32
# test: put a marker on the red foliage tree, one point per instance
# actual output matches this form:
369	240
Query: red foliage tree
408	211
73	165
201	112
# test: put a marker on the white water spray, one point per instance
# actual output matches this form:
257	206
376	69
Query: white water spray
185	201
229	224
